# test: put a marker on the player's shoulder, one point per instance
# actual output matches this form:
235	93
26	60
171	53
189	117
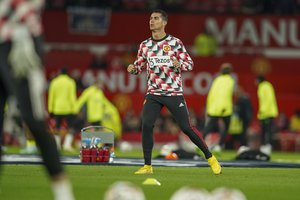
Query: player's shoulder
146	41
171	37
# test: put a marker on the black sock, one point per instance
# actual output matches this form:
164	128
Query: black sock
147	157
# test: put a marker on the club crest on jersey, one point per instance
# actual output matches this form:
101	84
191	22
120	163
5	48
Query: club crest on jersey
166	48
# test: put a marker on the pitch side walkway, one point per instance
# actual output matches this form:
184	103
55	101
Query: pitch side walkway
74	160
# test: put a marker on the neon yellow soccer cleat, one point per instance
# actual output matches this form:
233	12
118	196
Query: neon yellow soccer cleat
214	165
147	169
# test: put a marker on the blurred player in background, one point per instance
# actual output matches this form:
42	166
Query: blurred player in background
164	58
61	106
219	104
267	111
21	74
112	118
94	98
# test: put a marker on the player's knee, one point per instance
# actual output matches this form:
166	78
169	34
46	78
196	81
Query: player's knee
147	126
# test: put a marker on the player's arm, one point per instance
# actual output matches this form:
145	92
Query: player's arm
139	63
23	56
183	61
73	96
83	98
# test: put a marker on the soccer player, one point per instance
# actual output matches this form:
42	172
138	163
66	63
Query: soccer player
61	106
94	98
267	111
219	104
164	57
21	74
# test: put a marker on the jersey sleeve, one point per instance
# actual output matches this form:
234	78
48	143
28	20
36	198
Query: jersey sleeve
140	62
14	13
184	57
82	99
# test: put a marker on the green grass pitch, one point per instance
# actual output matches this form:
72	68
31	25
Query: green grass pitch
29	182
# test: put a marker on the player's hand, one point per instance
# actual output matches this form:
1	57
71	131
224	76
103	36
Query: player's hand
176	64
23	57
131	69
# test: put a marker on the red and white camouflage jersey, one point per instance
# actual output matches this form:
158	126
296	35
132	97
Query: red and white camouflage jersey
14	13
155	56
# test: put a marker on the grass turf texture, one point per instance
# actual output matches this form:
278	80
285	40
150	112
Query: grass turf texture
22	182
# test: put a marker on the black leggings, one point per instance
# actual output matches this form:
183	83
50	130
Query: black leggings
177	106
266	130
30	101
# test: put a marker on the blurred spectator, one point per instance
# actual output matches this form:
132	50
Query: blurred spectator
205	44
295	121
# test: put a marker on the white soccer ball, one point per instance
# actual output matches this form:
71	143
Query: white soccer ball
224	193
189	193
123	190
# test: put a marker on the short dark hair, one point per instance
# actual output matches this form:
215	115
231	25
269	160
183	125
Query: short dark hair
163	13
64	70
226	68
260	78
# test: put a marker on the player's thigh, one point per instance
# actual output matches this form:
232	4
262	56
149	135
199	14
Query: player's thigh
177	106
151	110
